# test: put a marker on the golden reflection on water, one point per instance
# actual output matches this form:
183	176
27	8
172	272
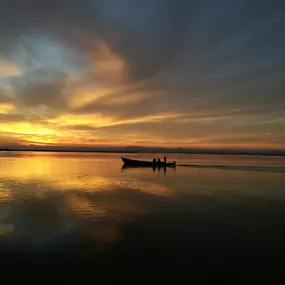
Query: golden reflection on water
85	183
147	186
91	195
107	217
53	195
75	174
103	184
82	207
28	168
5	194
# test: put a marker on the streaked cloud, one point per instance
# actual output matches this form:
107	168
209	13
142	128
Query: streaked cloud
170	73
108	64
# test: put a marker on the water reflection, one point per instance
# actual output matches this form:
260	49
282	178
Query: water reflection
84	208
47	198
5	229
72	206
154	169
85	183
5	194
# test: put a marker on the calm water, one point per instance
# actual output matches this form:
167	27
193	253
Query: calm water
213	218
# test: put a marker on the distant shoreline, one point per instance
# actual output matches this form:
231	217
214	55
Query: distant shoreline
201	152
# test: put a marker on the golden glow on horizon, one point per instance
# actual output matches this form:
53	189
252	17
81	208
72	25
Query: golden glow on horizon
28	134
60	133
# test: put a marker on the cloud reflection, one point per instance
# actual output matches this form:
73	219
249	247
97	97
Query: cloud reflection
52	198
5	193
5	229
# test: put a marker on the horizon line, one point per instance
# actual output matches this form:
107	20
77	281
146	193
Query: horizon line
142	149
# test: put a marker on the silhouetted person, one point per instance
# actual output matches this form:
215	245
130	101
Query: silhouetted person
164	159
158	161
154	161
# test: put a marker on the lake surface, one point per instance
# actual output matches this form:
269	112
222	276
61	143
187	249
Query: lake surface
216	219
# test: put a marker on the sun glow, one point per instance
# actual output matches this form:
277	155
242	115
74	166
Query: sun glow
40	140
26	129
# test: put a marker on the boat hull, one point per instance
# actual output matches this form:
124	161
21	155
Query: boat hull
142	163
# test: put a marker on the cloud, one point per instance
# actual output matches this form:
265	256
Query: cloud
6	108
154	70
3	98
107	64
50	94
9	69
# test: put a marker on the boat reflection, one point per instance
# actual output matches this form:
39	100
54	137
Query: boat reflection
154	169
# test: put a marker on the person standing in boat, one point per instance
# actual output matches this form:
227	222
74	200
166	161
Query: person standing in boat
158	161
154	161
164	159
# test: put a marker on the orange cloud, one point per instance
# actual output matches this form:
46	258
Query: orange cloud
98	120
84	97
71	120
40	140
125	99
106	75
6	108
26	129
107	63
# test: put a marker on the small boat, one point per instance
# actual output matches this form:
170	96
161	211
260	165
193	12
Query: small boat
143	163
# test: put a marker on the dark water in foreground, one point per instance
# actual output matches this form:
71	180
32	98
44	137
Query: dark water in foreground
218	219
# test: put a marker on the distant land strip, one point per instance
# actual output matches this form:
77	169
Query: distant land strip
137	149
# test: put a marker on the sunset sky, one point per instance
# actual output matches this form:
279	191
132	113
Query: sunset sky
204	73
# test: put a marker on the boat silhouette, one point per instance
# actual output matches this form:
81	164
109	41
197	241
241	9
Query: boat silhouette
143	163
